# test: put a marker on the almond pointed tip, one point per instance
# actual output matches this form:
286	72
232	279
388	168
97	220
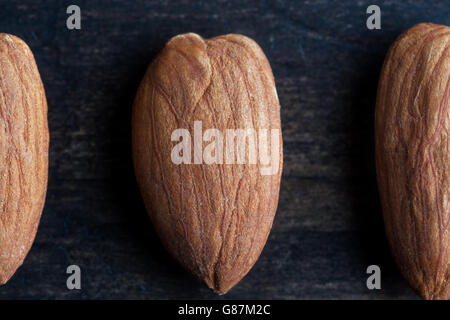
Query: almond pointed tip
3	279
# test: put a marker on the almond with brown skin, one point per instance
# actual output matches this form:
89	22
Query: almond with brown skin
24	142
412	136
213	218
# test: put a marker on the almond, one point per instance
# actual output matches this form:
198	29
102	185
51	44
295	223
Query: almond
213	218
412	128
24	142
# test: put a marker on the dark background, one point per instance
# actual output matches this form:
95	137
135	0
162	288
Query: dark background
326	63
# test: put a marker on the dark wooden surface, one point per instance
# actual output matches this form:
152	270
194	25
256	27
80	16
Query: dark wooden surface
328	227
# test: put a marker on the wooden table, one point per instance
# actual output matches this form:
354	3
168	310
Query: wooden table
328	227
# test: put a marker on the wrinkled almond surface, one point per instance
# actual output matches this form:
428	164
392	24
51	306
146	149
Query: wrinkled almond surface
214	219
24	144
412	124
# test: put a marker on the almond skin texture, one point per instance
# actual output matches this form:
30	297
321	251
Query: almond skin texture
24	142
214	219
412	123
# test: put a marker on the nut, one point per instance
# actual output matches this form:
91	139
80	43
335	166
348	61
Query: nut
24	144
213	218
412	128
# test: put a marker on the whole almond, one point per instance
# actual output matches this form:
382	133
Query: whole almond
214	219
24	142
412	137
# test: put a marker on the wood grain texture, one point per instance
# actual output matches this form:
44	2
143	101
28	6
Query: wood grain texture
24	142
213	218
328	227
412	123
